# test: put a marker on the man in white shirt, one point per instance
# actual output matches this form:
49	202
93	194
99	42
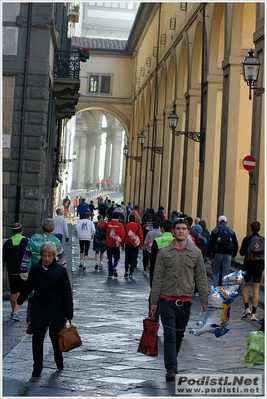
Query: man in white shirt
85	231
61	227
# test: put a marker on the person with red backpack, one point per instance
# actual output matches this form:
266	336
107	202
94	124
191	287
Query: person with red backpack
252	248
133	240
115	235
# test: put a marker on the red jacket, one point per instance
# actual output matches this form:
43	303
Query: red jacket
136	229
115	225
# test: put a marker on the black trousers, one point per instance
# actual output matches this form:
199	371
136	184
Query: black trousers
131	254
146	255
38	350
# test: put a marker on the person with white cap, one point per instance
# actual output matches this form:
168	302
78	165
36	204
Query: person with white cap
222	247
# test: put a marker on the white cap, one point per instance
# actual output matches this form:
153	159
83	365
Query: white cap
222	218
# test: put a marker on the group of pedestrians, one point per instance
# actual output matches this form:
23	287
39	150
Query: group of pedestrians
174	252
105	183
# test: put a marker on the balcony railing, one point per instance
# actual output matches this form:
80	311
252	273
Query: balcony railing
67	64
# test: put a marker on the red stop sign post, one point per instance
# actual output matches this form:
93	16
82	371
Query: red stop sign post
249	163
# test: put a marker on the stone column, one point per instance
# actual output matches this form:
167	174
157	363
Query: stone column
109	141
90	158
233	183
166	184
191	154
77	141
157	184
96	144
91	162
116	155
81	160
212	146
93	144
142	200
146	164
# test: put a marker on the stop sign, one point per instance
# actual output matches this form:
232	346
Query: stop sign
249	162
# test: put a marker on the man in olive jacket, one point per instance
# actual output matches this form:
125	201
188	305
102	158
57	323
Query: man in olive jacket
178	267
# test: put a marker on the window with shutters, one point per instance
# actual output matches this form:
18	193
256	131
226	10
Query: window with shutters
105	84
93	83
100	84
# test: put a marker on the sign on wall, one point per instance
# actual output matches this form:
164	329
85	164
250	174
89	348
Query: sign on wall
6	139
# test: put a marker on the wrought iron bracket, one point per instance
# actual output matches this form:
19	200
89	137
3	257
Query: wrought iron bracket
196	136
259	91
137	159
157	150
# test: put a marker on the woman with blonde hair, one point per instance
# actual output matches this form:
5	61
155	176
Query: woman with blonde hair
52	303
137	217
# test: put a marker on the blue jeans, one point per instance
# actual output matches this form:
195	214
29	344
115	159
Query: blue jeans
174	321
221	264
112	252
59	236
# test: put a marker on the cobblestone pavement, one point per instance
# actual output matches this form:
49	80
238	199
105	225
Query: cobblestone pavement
109	316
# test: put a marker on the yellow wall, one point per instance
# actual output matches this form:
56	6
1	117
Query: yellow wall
229	119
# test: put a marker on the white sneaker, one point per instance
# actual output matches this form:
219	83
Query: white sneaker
246	313
254	317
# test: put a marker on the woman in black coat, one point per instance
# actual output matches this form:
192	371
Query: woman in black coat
52	303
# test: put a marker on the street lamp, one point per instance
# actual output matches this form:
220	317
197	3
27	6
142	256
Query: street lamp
66	175
173	120
250	68
141	140
125	153
64	161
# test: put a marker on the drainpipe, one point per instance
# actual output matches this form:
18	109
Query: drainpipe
202	144
155	109
23	111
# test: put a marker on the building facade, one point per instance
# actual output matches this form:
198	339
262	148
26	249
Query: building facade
189	55
182	57
40	88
